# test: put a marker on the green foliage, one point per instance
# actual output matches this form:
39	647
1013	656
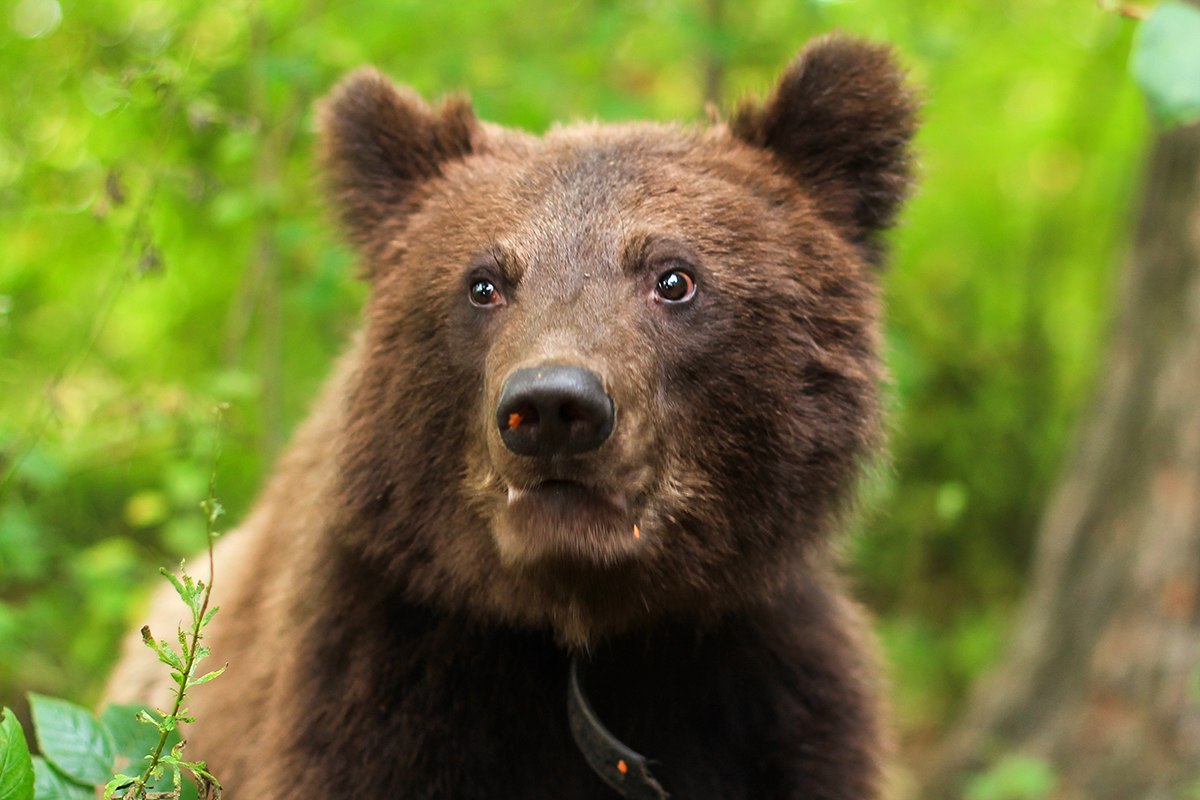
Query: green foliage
16	768
1166	62
1014	778
51	784
80	751
72	740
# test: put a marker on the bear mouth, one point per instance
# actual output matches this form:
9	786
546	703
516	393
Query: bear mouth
567	494
568	520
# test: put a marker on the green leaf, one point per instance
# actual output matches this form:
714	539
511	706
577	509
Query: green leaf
135	733
212	612
1166	62
117	784
174	581
16	767
189	586
72	739
50	784
131	737
163	648
216	673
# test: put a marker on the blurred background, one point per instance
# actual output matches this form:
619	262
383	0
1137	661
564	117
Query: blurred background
164	246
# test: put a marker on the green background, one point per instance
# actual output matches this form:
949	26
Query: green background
164	246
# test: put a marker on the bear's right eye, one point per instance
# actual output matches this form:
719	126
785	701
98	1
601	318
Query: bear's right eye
484	293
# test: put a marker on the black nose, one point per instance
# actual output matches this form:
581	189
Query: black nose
554	410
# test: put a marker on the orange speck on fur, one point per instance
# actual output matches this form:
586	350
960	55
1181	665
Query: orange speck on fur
637	532
622	767
514	420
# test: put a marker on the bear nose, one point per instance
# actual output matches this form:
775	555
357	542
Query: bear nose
554	410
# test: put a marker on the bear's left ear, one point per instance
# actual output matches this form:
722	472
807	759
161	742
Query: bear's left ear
380	142
840	122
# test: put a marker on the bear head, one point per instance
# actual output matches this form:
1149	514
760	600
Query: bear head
614	373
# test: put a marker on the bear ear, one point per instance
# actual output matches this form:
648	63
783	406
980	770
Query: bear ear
380	142
840	122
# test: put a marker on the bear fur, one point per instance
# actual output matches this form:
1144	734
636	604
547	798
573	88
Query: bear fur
399	611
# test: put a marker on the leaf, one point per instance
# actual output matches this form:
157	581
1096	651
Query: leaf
1166	62
216	673
212	612
72	739
16	767
135	733
131	737
174	581
213	509
163	648
50	784
117	785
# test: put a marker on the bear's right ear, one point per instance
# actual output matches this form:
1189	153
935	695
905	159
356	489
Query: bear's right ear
380	142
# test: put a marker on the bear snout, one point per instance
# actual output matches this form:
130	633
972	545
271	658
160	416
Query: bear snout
554	410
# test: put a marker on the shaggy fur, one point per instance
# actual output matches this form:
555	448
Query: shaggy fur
399	610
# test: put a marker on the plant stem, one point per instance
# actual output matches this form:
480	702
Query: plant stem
139	786
211	513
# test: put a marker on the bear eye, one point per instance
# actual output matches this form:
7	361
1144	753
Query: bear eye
484	293
675	286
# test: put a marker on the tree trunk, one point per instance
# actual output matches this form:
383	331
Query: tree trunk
1103	676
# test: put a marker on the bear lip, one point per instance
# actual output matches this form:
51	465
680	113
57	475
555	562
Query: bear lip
568	491
559	521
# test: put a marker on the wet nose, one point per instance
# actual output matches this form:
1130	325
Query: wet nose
554	409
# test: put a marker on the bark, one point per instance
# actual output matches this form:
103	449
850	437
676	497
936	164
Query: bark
1102	679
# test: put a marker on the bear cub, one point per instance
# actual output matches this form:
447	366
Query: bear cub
613	391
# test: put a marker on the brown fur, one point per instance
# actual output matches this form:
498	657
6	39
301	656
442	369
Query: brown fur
395	622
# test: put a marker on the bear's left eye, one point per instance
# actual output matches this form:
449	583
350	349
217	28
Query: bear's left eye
675	286
484	293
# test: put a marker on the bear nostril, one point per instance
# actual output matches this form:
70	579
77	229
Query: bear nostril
554	410
522	415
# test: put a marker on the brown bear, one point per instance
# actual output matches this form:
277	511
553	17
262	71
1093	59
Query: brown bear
560	525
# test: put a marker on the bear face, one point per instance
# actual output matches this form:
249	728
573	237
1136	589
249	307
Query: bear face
701	304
